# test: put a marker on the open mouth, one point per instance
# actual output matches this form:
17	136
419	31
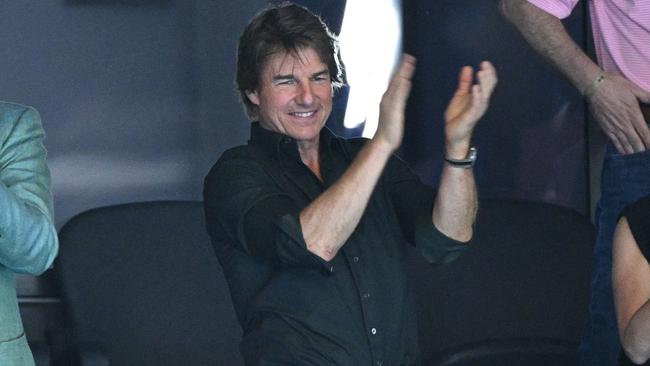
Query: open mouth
303	114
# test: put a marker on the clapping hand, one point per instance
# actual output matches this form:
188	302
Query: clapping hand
467	106
390	129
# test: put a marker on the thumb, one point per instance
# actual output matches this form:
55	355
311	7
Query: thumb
640	94
644	97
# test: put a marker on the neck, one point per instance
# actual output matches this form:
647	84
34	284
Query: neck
309	154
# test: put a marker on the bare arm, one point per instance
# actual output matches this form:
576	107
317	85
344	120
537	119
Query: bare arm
333	216
456	203
330	220
631	283
614	103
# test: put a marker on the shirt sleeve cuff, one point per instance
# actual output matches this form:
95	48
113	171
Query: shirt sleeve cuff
436	247
292	248
560	9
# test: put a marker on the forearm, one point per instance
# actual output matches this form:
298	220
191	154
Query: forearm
636	336
546	35
456	204
330	219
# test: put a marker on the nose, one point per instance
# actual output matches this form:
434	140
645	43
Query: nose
305	94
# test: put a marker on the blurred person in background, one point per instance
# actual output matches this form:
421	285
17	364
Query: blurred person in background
28	239
617	90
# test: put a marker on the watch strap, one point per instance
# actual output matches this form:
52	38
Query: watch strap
468	162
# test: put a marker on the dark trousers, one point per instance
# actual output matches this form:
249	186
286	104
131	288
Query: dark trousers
625	179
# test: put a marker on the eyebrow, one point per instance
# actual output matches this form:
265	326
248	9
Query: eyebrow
291	76
321	73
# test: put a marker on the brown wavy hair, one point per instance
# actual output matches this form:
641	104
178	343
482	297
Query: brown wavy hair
289	28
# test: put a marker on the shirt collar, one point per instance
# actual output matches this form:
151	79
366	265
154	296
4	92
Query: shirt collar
273	143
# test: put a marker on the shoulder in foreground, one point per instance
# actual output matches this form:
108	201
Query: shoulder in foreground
13	108
13	112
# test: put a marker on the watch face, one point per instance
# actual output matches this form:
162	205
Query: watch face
472	154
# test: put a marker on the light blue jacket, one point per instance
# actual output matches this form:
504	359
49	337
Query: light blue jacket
28	240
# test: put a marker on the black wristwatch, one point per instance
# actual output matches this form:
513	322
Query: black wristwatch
466	163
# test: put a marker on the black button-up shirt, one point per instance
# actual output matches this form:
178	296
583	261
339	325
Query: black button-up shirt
295	307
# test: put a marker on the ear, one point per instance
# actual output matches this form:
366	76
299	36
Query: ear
253	97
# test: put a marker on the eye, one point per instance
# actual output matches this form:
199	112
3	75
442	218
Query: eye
286	82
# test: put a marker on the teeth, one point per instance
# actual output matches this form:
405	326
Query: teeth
303	114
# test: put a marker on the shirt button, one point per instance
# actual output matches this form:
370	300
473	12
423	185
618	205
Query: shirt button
366	295
355	259
373	331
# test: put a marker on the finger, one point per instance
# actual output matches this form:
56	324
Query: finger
487	65
488	83
401	80
406	67
612	129
627	147
619	140
487	78
644	96
477	95
465	80
617	144
641	129
625	141
638	92
644	133
484	82
479	101
627	130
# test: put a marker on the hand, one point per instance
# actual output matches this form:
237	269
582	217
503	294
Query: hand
390	129
466	107
615	106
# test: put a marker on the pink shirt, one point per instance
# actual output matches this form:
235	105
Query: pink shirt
621	34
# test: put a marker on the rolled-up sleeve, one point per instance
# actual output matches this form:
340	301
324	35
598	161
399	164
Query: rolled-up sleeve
558	8
28	240
413	203
434	246
246	207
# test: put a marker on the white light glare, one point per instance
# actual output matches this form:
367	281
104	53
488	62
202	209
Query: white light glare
370	47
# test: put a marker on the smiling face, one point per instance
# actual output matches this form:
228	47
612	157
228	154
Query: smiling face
295	95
